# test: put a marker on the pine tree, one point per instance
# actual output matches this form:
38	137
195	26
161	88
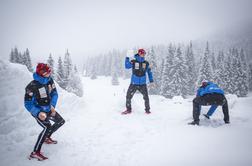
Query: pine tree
74	84
12	57
60	75
114	80
67	66
239	80
213	64
250	76
50	61
245	72
219	72
114	69
16	56
227	82
27	60
75	69
205	72
151	56
178	72
166	90
191	70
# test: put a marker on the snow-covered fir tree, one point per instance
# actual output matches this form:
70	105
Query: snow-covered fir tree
179	77
151	58
191	70
213	63
27	61
114	80
50	61
60	74
74	85
67	66
250	76
219	72
239	78
18	57
114	69
12	58
205	72
227	76
166	90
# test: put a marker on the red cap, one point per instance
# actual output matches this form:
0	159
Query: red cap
141	51
43	69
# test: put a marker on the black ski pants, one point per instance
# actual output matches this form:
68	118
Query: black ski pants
48	129
210	99
131	91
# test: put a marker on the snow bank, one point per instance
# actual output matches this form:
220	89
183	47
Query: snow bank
96	134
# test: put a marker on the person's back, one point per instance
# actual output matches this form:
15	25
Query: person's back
209	94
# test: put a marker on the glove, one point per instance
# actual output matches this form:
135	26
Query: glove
53	111
130	54
42	116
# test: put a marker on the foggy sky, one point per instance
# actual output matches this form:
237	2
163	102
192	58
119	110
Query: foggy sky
91	26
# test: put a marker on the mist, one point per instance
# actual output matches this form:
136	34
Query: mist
92	27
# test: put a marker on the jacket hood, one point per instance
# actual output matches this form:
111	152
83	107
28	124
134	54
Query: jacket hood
138	58
40	79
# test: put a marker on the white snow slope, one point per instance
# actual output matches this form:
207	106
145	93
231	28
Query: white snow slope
96	134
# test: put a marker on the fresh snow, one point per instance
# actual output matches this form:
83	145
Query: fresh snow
96	134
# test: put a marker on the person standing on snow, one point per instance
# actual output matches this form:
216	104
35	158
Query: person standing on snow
138	79
209	94
40	100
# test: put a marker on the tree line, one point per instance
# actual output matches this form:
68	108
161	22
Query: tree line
179	69
65	73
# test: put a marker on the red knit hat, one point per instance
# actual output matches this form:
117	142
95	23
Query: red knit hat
141	51
43	69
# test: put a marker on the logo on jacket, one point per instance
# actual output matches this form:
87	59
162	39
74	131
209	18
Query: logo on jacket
42	92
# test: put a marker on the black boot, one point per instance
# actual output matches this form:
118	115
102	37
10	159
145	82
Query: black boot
226	121
195	122
206	116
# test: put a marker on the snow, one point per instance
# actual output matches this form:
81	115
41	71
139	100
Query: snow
96	134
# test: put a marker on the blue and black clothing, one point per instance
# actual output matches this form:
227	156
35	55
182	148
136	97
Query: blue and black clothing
40	95
210	94
140	69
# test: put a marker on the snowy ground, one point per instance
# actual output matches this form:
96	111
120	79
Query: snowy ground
96	134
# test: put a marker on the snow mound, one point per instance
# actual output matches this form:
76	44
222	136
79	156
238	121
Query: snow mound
232	99
178	99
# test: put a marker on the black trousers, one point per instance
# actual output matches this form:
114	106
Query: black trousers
210	99
131	91
48	129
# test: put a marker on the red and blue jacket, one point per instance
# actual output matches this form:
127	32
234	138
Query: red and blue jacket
139	69
40	95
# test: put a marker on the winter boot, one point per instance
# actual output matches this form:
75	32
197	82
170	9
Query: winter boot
147	111
206	116
128	111
227	121
195	122
37	155
50	141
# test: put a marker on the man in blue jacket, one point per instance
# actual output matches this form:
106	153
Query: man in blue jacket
209	94
139	68
40	100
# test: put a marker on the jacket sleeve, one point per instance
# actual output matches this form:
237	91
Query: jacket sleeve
54	95
150	74
29	101
198	91
128	64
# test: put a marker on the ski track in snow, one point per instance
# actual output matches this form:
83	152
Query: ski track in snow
96	134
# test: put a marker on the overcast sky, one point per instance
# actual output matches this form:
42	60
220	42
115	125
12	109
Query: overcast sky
92	26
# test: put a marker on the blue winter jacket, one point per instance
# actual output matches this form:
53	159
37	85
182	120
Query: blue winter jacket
31	103
139	80
210	88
